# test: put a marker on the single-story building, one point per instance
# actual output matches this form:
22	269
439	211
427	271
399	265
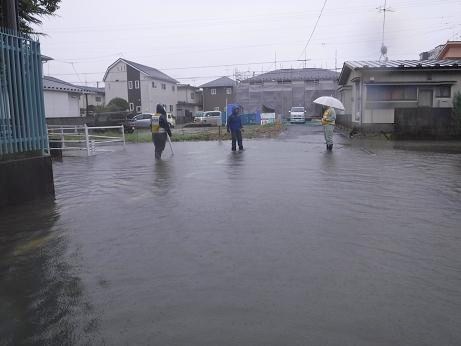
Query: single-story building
61	98
398	94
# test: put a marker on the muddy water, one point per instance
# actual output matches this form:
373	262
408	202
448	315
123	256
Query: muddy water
283	244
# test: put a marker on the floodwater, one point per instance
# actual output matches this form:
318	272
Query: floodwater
282	244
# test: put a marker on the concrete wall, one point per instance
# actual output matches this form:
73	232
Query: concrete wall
25	180
282	97
61	104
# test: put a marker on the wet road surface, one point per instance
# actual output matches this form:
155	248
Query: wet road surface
282	244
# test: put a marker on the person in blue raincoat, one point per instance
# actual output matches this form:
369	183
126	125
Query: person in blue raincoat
328	122
234	126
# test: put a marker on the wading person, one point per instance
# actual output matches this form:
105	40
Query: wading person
234	126
160	130
328	122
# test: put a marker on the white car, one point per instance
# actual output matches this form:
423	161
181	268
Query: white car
209	117
297	115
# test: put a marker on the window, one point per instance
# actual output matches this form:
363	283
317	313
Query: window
443	91
130	85
392	93
216	108
213	91
172	87
138	108
171	108
229	91
98	99
153	85
136	84
131	107
192	95
163	86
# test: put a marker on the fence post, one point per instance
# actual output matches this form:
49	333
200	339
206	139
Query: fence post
63	144
87	140
123	135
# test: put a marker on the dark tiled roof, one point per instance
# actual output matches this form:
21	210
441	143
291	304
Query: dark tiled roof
220	82
151	72
51	83
300	74
397	65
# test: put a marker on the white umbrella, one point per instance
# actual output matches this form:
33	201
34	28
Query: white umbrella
329	101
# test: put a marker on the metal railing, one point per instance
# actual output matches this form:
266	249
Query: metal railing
78	140
22	110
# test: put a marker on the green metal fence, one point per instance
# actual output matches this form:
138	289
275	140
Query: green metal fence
22	110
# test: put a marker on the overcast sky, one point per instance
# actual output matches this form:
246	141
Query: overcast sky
198	41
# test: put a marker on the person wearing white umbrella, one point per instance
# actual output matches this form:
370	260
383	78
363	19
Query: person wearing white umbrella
329	117
328	122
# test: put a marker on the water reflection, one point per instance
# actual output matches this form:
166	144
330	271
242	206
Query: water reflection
42	299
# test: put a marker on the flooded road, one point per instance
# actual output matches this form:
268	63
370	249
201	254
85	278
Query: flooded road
282	244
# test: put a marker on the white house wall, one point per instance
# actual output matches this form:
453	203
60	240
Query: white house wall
116	82
151	96
91	100
61	104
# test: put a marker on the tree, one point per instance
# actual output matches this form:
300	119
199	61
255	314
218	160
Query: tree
31	12
117	104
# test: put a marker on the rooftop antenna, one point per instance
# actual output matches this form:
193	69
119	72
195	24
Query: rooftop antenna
384	10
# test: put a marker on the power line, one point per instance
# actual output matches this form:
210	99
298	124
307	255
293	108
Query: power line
313	30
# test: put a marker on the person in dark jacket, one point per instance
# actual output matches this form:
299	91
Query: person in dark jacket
234	126
160	130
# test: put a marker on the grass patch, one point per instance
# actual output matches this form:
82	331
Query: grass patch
208	134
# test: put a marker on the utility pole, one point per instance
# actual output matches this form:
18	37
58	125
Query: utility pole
10	10
336	60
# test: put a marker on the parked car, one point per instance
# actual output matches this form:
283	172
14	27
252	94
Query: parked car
143	120
208	117
297	115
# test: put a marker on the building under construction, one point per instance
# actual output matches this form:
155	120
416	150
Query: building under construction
286	88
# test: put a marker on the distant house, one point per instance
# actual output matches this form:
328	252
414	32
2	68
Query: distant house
61	98
218	93
142	86
387	95
189	102
450	50
285	88
92	97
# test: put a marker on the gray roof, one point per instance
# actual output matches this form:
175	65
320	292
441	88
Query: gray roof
220	82
299	74
151	72
51	83
445	64
92	90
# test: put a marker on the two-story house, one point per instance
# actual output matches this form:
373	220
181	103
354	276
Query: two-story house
189	102
218	93
142	86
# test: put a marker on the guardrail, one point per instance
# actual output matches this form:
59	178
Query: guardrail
75	140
